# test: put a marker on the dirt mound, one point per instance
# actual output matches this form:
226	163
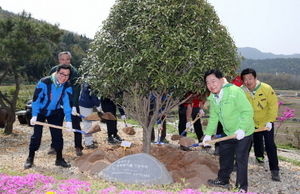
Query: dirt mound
190	166
129	130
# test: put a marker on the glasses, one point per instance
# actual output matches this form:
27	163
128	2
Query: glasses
63	75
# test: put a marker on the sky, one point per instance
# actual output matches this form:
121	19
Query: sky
267	25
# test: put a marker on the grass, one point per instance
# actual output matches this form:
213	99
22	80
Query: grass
295	162
25	94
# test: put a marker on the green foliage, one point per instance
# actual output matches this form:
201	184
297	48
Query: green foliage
160	48
22	40
12	90
151	44
36	68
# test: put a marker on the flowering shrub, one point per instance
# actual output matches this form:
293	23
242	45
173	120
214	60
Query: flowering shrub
286	114
40	184
37	183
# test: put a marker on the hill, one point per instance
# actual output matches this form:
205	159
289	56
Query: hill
253	53
273	66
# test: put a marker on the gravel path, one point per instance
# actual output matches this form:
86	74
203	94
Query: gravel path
14	151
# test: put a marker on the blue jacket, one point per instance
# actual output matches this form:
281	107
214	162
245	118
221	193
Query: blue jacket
49	95
88	99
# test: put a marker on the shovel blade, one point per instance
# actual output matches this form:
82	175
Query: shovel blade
95	128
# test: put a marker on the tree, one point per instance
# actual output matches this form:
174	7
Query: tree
153	47
22	40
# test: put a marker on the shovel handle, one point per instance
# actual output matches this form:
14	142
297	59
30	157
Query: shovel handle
125	123
220	139
232	136
198	117
261	129
79	115
57	127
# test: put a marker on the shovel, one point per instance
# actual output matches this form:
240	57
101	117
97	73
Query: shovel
91	117
95	128
59	127
178	137
107	116
227	137
159	133
128	130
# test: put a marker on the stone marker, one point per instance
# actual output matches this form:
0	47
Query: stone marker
137	169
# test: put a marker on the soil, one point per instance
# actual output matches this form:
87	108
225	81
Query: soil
190	166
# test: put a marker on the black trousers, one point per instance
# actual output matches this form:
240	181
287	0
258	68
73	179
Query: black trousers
270	146
56	134
219	131
76	125
110	124
182	121
228	150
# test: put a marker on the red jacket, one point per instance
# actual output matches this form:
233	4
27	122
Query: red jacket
237	81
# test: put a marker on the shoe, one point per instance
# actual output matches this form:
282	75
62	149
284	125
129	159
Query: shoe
217	153
78	151
29	163
111	141
118	138
260	160
275	175
61	162
218	183
51	151
92	146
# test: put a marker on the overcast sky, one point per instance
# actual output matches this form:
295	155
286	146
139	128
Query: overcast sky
268	25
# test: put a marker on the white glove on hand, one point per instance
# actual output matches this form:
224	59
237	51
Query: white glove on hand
69	126
269	125
206	138
202	113
188	125
32	120
99	108
123	117
74	111
240	134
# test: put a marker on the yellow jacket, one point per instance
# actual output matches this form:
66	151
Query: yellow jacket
264	102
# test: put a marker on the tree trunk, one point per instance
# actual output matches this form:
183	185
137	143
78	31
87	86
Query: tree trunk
12	111
147	140
10	122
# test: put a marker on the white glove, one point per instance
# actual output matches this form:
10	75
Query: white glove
32	120
69	126
206	138
123	117
240	134
202	113
99	108
269	125
188	125
74	111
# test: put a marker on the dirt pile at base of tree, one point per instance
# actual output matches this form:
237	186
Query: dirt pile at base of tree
189	166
